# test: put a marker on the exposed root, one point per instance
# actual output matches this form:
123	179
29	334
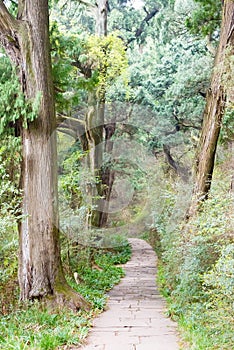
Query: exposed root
71	300
67	298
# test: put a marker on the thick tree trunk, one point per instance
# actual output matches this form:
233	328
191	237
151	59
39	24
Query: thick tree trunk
40	271
214	110
39	235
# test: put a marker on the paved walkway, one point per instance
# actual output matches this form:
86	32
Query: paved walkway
134	319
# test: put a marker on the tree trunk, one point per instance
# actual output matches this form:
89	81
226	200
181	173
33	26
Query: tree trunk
231	153
108	175
94	134
101	17
214	110
95	119
26	40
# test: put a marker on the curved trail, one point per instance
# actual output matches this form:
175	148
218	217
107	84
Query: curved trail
134	319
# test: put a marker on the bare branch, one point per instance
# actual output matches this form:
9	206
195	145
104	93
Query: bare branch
181	171
61	118
140	29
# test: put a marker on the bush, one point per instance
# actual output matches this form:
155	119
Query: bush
197	269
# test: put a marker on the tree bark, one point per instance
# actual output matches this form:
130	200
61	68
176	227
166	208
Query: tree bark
95	119
101	17
108	175
231	153
214	110
26	40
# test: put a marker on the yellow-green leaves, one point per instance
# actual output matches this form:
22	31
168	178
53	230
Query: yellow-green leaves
107	56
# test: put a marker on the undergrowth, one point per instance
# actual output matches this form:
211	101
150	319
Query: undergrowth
35	327
196	268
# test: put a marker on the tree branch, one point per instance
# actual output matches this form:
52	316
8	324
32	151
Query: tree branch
84	69
9	27
8	24
181	171
140	29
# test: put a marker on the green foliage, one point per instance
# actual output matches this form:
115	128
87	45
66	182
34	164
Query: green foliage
38	328
10	157
169	72
219	285
196	268
9	212
82	63
63	46
220	280
13	106
96	281
71	179
175	99
108	57
206	18
33	326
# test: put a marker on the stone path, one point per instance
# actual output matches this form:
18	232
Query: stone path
134	319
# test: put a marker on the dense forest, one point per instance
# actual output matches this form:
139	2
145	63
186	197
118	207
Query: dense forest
116	121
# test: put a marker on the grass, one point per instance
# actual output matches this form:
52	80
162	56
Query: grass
203	326
33	327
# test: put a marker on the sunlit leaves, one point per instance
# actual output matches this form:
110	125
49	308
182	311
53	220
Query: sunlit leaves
13	105
108	57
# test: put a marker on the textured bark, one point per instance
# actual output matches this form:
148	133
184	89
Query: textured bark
94	134
26	40
95	128
108	176
214	110
39	237
101	17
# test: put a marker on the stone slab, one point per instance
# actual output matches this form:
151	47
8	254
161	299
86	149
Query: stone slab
134	319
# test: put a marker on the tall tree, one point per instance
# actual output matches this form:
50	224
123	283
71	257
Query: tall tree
94	122
26	41
216	99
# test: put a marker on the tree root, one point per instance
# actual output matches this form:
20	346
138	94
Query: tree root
66	297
